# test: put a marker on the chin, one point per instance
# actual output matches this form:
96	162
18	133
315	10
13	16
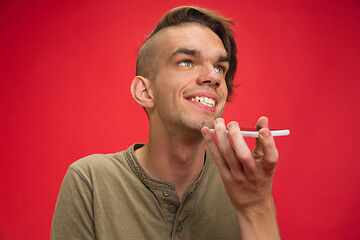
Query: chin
199	125
194	123
207	124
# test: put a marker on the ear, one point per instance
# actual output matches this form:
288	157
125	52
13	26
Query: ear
141	92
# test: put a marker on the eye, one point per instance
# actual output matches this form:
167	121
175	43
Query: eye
186	63
220	69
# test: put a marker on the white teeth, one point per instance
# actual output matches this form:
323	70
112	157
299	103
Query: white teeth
204	100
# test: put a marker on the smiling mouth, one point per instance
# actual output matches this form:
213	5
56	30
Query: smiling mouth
204	100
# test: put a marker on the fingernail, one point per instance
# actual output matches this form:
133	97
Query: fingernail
204	131
232	124
219	120
265	133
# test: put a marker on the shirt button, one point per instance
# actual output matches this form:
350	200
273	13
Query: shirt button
167	192
172	209
179	228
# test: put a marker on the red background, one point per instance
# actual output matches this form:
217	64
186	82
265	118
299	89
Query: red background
66	68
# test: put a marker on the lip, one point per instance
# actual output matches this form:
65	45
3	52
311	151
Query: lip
211	95
202	94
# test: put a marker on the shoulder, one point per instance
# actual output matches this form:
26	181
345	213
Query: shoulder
102	164
94	161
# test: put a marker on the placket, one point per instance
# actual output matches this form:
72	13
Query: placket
176	214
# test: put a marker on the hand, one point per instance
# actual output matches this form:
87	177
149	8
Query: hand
247	176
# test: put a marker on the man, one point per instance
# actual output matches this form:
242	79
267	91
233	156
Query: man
173	187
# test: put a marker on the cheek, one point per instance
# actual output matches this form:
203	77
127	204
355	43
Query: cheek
165	92
223	90
176	83
172	83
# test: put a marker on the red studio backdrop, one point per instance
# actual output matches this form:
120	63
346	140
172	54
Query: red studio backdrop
65	74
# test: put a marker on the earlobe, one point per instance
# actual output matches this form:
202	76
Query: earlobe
141	92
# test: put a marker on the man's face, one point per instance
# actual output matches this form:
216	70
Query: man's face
189	89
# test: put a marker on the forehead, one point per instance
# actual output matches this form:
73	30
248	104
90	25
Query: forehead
191	36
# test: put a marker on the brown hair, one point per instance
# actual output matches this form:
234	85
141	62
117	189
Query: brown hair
185	14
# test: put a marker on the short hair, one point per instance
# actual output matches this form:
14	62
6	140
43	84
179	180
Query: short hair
189	14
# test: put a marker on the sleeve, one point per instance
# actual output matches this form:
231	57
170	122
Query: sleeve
73	215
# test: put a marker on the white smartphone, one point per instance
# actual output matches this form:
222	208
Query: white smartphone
252	132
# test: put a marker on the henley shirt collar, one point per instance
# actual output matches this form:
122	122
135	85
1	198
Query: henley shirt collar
155	183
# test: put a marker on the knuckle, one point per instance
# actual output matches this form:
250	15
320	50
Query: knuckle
245	157
258	155
274	157
214	155
238	178
226	151
227	179
272	162
253	178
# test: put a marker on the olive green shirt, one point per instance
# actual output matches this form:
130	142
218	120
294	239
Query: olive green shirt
110	196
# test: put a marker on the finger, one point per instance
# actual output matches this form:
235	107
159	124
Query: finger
215	153
263	122
271	154
226	148
242	150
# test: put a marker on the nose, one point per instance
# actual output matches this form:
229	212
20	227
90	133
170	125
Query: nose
208	76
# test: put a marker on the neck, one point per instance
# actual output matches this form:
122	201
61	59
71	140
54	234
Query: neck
173	157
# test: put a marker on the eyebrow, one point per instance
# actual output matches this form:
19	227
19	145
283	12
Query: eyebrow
190	52
223	59
195	53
